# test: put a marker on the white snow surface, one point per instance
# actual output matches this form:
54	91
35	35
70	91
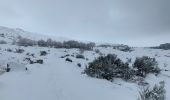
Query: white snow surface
57	79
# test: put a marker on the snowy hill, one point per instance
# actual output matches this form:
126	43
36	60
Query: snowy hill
10	34
58	79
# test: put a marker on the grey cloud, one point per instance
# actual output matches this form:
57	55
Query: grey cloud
130	22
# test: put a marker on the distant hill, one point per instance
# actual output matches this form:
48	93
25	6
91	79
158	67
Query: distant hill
165	46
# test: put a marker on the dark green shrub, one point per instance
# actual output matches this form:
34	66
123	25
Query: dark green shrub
79	56
69	60
79	65
43	53
39	61
19	50
9	50
109	67
146	65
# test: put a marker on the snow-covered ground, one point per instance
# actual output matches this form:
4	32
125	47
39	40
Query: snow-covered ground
57	79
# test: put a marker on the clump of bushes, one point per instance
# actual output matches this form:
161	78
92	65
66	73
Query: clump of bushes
79	56
120	47
9	50
39	61
43	53
105	45
65	56
146	65
69	60
42	43
51	43
126	49
109	67
80	45
26	42
165	46
155	93
19	50
30	54
97	50
79	65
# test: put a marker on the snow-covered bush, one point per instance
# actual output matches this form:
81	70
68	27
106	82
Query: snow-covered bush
26	42
50	43
65	56
79	56
146	65
33	61
79	65
105	45
165	46
57	44
30	54
19	50
79	45
81	51
43	53
126	49
129	60
39	61
3	42
42	43
69	60
9	50
90	45
109	67
97	50
156	93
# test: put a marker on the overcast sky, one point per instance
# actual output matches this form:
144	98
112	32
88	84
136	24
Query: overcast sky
132	22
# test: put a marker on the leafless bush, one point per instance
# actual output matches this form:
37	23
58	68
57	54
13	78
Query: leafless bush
155	93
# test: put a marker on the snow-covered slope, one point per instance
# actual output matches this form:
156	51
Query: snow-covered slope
10	34
57	79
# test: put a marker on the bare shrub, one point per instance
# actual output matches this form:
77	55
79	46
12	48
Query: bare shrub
155	93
